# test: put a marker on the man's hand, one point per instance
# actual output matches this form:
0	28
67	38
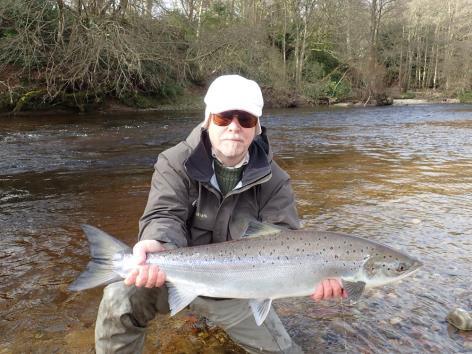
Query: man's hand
329	289
149	276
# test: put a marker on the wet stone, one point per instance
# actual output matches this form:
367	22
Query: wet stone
392	335
395	320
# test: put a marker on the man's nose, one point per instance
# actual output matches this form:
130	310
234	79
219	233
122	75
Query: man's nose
234	125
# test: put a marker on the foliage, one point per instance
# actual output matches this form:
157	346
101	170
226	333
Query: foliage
465	96
81	52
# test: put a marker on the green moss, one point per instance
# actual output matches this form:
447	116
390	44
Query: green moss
139	101
465	96
407	95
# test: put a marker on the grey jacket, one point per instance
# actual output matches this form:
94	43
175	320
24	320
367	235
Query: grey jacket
185	209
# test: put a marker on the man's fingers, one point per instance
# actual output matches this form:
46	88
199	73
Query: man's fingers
146	246
139	253
161	278
131	278
142	278
328	290
336	287
319	292
152	277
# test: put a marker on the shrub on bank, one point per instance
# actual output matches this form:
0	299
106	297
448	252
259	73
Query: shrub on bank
465	96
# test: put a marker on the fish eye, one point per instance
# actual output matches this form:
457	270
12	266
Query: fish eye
401	267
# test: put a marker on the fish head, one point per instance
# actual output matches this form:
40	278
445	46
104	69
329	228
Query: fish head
387	265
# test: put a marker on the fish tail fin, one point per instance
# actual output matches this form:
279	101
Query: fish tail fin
100	268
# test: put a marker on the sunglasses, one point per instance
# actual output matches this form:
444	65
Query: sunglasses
246	120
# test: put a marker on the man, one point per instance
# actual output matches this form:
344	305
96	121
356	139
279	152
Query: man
202	191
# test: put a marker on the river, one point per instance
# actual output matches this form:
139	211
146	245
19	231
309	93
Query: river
401	175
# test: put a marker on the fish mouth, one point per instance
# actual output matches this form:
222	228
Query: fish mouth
417	264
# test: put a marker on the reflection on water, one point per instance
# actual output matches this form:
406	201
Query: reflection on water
398	175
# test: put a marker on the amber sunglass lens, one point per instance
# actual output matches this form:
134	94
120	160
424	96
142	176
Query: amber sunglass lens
247	120
221	121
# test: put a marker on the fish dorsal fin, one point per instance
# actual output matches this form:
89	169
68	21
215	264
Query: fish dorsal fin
260	308
354	289
256	229
179	298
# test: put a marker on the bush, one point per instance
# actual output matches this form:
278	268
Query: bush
465	96
407	95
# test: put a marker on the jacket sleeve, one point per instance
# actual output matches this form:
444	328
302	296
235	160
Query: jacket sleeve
277	205
168	207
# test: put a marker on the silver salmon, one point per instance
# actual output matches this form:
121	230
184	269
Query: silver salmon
268	264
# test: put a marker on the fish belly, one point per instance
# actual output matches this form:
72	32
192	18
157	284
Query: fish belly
252	282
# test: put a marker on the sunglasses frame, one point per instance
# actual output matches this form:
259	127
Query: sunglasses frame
245	119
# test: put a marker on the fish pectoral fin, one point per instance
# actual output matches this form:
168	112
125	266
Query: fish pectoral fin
260	308
354	289
179	298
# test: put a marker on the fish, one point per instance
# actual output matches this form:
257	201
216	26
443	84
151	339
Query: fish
267	263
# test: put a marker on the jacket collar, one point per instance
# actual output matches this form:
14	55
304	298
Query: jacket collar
199	163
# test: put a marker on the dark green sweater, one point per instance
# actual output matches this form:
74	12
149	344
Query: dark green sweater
227	178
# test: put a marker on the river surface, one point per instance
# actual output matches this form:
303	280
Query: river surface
397	175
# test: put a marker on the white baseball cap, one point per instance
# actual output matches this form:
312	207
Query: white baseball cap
233	92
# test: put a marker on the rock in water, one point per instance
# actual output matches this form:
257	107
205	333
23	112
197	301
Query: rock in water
460	319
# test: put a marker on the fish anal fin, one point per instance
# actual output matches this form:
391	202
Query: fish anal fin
354	289
179	298
260	308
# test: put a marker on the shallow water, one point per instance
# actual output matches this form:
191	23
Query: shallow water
397	175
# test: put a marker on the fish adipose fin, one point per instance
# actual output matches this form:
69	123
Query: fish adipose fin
354	289
179	298
260	308
100	268
256	229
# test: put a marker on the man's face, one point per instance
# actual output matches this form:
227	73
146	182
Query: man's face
230	142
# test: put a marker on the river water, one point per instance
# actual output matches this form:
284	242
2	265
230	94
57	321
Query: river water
401	175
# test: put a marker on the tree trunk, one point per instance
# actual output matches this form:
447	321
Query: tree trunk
400	72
